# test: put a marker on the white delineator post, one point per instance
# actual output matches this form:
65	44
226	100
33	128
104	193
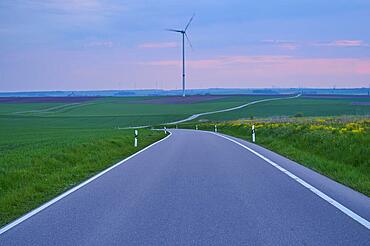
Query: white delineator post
136	134
165	130
196	127
253	134
215	128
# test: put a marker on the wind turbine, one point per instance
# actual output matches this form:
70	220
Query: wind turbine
183	32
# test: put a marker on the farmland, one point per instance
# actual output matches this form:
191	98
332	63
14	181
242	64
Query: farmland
303	106
48	145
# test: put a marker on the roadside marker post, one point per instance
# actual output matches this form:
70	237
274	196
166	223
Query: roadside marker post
135	142
253	134
165	130
215	128
176	126
196	127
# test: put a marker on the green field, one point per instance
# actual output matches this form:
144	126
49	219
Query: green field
49	147
110	112
298	106
134	111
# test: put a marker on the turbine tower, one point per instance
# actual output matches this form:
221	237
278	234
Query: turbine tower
183	33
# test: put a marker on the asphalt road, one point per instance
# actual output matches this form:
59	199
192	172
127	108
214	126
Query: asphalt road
196	188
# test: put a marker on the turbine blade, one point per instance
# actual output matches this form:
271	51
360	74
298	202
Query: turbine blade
191	19
174	30
191	46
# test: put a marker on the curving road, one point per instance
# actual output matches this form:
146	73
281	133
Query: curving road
199	188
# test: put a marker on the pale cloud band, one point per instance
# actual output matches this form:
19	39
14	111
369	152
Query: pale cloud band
162	45
104	43
276	66
293	45
347	43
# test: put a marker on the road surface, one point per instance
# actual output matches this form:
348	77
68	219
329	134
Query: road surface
198	188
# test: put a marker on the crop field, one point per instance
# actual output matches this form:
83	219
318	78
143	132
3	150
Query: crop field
113	112
48	145
110	112
302	106
337	147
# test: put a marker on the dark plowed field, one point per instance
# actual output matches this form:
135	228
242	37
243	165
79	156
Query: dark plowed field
45	99
332	96
181	100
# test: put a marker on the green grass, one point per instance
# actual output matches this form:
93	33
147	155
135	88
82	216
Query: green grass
336	147
11	108
46	148
37	164
112	112
303	106
123	107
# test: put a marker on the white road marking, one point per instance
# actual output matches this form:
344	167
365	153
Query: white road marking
321	194
56	199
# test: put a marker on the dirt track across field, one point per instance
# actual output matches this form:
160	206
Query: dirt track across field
45	99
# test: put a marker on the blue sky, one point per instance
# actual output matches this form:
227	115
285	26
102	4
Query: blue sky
113	44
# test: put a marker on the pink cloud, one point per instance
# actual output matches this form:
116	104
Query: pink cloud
222	61
104	43
158	45
84	70
363	69
288	46
283	44
344	43
293	45
347	43
257	71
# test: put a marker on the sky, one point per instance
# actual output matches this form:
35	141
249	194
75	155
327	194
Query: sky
118	44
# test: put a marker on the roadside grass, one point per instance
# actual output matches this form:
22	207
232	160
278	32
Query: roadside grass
37	165
337	147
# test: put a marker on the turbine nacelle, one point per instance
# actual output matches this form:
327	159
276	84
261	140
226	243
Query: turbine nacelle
174	30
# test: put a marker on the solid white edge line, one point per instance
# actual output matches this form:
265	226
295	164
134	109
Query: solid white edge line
61	196
319	193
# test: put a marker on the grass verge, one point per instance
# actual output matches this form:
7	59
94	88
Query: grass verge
36	168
